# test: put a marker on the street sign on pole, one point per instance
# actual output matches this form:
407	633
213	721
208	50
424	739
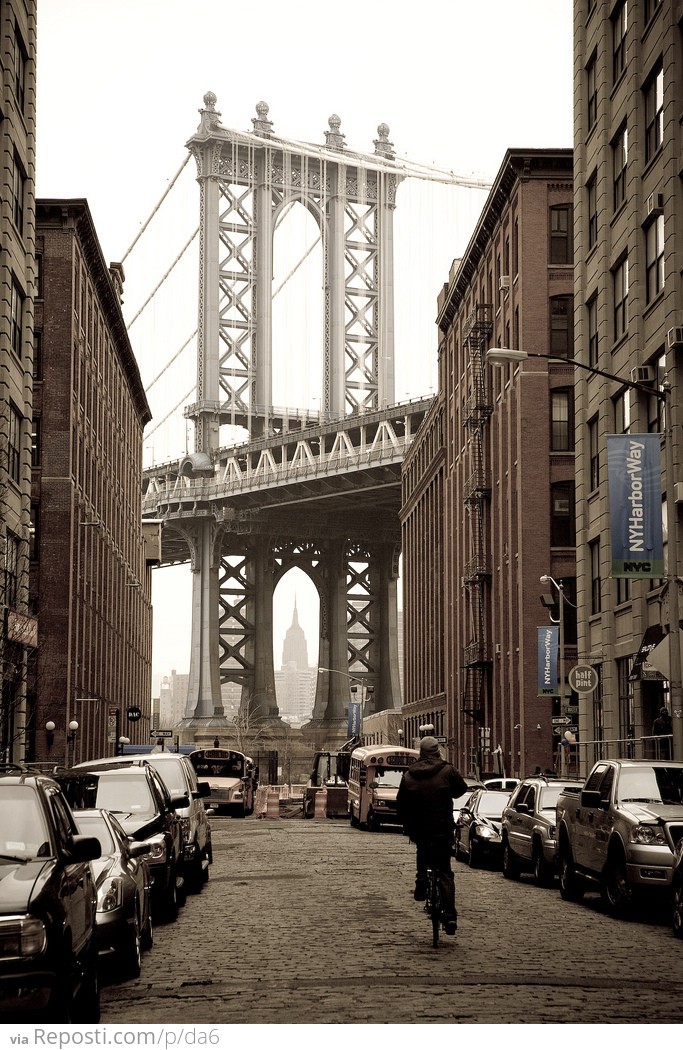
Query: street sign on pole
161	732
560	720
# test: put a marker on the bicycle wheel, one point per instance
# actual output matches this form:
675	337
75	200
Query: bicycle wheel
435	906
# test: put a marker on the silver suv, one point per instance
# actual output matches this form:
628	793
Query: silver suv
528	829
178	774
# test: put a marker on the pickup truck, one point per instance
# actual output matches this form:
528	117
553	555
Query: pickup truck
618	832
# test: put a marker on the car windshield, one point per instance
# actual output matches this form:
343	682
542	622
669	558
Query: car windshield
651	784
172	776
23	830
125	794
462	800
550	795
94	824
492	803
388	778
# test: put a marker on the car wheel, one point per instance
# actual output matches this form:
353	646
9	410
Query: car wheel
195	872
472	856
543	873
570	885
147	934
510	865
616	890
86	1008
131	956
678	910
170	904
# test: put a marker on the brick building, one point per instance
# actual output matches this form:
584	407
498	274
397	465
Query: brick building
92	554
488	484
628	97
17	279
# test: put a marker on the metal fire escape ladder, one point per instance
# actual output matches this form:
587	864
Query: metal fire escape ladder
477	493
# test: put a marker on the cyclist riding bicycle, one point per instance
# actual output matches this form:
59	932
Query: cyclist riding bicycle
425	808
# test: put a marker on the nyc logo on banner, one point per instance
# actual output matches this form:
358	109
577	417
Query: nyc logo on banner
354	720
635	504
548	647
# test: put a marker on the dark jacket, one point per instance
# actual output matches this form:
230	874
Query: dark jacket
425	798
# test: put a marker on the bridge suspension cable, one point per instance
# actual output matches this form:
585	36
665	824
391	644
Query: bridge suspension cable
156	209
165	277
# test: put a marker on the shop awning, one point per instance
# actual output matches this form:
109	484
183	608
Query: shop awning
643	669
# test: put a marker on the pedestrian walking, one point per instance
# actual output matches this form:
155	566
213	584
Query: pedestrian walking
663	727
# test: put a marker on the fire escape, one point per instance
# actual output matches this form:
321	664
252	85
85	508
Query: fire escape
477	493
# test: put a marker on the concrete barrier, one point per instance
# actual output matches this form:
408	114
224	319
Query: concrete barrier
273	803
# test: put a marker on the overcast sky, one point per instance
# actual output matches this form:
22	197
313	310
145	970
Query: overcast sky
120	83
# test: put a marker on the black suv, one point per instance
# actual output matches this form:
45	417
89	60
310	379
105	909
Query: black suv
147	812
48	902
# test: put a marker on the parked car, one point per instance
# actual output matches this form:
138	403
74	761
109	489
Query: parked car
528	829
178	774
48	901
462	800
147	813
677	887
477	831
123	926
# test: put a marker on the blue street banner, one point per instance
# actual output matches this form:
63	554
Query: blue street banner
635	503
548	648
353	727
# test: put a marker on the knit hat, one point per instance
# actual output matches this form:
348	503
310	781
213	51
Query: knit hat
429	747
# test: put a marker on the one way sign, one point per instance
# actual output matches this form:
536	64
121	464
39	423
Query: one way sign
561	720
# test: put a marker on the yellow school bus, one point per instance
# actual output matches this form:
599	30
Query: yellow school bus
374	776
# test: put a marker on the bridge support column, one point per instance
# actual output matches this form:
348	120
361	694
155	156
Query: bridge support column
332	693
384	649
204	686
263	702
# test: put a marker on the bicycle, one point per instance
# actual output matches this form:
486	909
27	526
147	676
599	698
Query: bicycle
433	903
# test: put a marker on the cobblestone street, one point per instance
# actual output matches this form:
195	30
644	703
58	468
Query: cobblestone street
313	922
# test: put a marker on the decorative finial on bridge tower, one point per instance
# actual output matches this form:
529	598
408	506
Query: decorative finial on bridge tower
333	138
382	145
209	114
262	126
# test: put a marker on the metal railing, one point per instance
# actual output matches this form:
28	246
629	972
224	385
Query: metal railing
577	760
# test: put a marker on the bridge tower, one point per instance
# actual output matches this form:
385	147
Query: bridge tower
247	182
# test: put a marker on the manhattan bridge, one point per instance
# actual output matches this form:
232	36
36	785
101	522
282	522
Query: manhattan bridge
262	489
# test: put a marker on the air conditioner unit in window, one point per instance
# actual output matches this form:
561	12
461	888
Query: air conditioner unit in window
674	337
504	282
643	374
655	204
678	492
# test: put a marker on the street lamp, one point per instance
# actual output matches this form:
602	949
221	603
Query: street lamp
73	729
502	355
368	689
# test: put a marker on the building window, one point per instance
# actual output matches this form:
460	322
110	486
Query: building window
20	59
37	355
18	195
515	248
562	518
622	413
562	325
627	728
593	332
35	442
39	276
561	234
593	455
623	590
651	8
16	318
596	582
33	531
654	112
656	411
619	165
592	92
11	570
620	282
654	258
14	444
562	420
592	193
619	28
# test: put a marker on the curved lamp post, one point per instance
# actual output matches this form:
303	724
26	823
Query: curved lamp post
368	690
502	355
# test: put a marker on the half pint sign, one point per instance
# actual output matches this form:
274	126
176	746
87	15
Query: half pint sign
635	502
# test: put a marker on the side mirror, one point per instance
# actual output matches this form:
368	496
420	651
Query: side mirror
204	789
84	847
522	807
591	799
180	801
138	849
